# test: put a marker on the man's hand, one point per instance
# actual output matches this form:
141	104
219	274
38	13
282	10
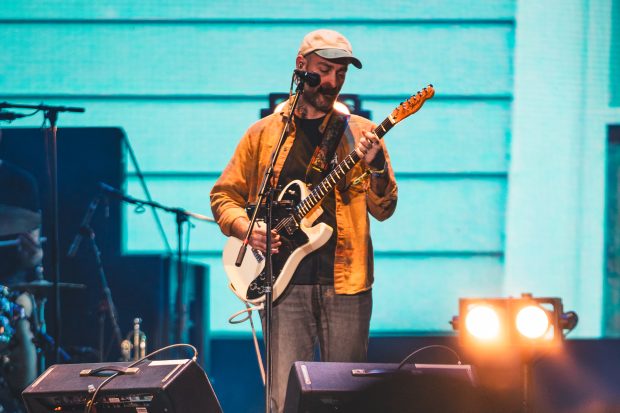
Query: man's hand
370	150
258	239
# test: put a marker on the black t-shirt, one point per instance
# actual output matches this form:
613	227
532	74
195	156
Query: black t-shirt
318	266
18	188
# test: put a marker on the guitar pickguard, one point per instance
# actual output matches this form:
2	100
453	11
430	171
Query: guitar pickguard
291	237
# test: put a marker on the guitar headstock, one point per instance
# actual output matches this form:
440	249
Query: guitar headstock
413	104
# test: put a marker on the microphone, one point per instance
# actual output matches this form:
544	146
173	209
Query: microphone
4	115
312	79
84	229
116	193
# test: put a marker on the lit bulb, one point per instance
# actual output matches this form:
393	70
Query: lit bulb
532	322
482	322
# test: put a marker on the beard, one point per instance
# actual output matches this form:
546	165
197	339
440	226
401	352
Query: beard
322	99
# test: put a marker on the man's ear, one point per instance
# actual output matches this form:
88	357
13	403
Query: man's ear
300	62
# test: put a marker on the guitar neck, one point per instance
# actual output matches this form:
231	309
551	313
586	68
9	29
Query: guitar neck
329	182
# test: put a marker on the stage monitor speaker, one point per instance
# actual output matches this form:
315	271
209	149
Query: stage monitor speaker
159	386
320	387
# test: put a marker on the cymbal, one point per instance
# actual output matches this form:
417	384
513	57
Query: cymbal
15	220
42	286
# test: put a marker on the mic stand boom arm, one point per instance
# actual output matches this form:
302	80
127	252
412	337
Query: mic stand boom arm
182	216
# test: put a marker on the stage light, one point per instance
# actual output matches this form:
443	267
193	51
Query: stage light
532	322
496	323
494	329
482	322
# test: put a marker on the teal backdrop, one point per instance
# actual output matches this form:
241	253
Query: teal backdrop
501	176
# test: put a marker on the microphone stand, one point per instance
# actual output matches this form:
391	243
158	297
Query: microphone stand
181	216
51	114
266	193
108	303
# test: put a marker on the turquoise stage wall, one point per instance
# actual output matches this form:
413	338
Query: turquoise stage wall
186	78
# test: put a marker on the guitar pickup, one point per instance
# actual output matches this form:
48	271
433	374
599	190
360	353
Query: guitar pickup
291	226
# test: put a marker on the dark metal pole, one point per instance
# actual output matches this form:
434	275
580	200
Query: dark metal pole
527	386
268	304
52	148
269	264
179	304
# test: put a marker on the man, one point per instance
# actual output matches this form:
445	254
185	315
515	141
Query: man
328	301
20	260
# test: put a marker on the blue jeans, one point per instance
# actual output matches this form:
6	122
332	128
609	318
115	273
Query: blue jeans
310	315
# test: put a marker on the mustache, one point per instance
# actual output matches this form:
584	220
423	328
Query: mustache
328	91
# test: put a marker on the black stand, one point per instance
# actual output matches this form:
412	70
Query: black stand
266	193
51	115
182	216
179	305
526	402
107	304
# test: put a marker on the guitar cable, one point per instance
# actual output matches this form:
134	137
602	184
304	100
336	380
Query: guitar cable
248	309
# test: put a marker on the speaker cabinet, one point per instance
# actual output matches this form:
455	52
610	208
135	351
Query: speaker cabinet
159	386
370	387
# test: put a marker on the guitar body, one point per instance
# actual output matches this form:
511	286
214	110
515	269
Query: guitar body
248	281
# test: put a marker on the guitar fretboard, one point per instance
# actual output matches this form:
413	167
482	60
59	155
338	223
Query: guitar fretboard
329	182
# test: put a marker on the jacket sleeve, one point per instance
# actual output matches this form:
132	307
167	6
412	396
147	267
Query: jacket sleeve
381	207
229	195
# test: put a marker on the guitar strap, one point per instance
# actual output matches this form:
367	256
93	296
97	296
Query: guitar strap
332	135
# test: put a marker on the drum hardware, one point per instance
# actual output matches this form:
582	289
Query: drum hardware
15	242
136	341
37	292
42	287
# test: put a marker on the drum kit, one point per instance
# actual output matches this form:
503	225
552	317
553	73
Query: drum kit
23	338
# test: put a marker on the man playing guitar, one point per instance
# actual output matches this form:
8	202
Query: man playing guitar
328	301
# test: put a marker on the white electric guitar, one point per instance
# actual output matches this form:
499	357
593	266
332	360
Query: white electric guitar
297	234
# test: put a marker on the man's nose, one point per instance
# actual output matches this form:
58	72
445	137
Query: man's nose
329	80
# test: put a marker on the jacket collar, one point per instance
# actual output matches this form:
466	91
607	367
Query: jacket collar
286	111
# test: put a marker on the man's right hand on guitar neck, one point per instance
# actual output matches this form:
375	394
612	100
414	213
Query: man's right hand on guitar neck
258	239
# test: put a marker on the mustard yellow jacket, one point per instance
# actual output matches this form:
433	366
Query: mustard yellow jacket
240	181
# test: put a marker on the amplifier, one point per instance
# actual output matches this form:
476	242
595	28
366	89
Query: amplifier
317	387
154	386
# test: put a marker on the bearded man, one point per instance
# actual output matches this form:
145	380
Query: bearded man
328	302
